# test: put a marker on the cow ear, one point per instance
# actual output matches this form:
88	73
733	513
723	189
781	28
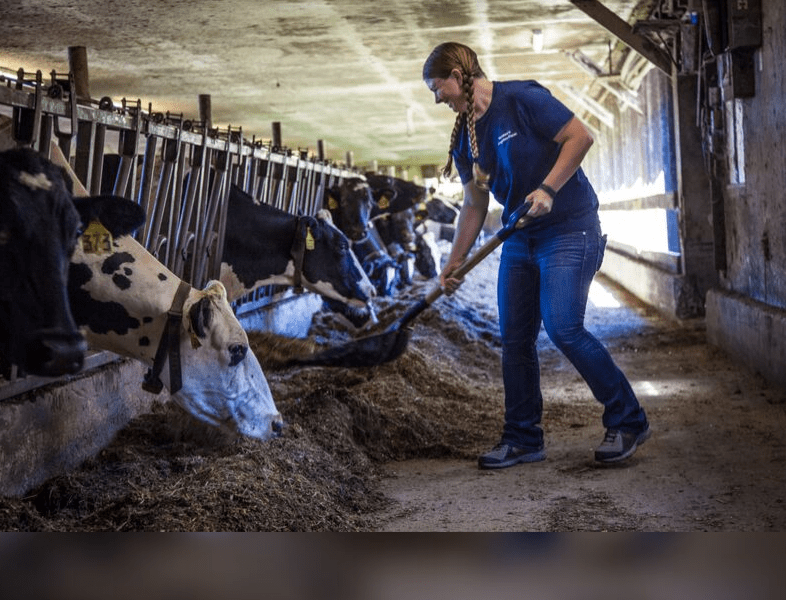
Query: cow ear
312	223
200	315
119	215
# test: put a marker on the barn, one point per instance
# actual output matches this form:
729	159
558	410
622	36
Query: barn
178	107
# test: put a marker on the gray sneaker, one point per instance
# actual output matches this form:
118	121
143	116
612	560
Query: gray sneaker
618	445
505	455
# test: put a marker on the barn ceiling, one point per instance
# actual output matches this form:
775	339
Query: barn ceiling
343	71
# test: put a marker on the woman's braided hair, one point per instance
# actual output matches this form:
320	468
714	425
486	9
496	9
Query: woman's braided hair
439	64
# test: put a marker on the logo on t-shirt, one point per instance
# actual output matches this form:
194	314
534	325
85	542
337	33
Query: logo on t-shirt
508	135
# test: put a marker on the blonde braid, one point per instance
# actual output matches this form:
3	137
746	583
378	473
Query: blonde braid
453	137
481	178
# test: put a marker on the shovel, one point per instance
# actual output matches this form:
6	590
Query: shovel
384	347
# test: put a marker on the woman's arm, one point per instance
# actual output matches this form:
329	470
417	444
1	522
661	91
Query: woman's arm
470	221
576	141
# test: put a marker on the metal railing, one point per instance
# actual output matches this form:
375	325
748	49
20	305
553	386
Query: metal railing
179	170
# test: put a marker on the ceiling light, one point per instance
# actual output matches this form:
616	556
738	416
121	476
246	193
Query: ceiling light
537	40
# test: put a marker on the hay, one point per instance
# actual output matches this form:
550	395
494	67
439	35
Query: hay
167	472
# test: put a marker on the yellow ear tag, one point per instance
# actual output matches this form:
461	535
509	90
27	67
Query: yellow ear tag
332	203
384	202
96	239
195	343
309	239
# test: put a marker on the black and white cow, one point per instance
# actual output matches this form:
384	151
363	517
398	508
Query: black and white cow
39	227
265	245
122	299
122	296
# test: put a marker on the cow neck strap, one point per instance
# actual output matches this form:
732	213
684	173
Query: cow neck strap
169	344
298	252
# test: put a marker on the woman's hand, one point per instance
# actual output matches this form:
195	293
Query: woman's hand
541	203
446	282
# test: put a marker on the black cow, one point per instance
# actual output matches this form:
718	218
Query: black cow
265	245
382	269
39	227
40	222
440	210
350	204
393	194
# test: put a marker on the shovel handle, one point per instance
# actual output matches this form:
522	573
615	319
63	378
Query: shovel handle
517	220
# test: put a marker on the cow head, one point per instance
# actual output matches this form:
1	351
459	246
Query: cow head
393	194
39	227
350	205
122	298
223	383
382	270
440	210
332	270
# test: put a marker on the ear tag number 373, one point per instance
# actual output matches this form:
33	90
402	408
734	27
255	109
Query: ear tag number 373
96	239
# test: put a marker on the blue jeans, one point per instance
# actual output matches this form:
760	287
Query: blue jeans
548	281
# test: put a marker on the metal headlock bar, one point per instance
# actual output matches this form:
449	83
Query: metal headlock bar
178	170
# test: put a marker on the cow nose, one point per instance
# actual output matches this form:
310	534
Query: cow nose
237	352
57	353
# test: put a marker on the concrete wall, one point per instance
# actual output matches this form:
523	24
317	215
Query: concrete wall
289	315
733	252
52	430
752	333
755	211
747	311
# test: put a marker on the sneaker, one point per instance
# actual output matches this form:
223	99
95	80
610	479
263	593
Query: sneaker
504	455
619	445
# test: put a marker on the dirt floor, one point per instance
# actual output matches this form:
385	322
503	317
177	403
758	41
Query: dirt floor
394	447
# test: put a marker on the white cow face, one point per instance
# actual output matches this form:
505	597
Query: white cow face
122	298
223	383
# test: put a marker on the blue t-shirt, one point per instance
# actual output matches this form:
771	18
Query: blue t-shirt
517	149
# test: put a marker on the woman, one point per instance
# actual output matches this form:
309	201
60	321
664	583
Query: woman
516	140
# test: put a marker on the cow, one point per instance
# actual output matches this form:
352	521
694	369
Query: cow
350	204
39	228
393	194
265	245
128	302
382	269
428	256
125	299
439	210
404	229
397	232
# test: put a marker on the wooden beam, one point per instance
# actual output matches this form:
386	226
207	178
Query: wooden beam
620	28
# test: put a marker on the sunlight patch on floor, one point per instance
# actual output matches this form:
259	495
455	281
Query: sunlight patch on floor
601	297
647	388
